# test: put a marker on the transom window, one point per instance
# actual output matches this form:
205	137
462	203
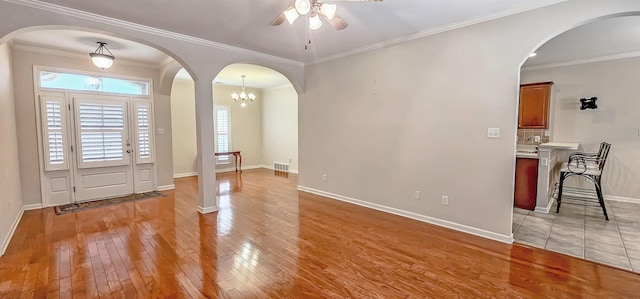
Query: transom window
81	82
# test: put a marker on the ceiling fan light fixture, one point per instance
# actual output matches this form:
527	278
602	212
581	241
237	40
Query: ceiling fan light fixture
291	15
102	59
303	6
315	22
328	10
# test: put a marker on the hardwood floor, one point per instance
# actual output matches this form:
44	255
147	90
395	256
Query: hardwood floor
269	240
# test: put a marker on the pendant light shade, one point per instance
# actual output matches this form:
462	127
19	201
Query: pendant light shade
303	6
291	14
100	58
314	21
328	10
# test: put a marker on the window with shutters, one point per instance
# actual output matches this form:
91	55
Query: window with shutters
143	132
54	133
223	133
102	131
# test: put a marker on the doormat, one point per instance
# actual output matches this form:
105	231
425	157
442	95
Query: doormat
77	207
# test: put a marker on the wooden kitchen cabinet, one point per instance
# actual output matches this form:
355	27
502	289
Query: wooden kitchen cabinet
526	184
533	112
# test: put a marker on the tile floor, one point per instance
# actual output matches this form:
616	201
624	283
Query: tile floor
582	231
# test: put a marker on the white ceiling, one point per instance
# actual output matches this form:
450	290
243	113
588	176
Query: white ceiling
401	18
82	42
245	23
610	37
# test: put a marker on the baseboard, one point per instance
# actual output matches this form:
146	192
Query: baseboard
547	208
7	239
435	221
622	199
184	175
272	168
36	206
234	169
166	187
207	210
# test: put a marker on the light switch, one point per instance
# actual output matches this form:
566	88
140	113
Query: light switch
160	131
493	132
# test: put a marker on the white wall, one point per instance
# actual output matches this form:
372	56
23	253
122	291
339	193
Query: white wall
11	198
414	117
246	123
246	126
280	126
23	62
617	119
183	128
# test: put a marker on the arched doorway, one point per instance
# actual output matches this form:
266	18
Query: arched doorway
595	60
64	51
265	131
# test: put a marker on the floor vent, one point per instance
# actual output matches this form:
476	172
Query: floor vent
281	166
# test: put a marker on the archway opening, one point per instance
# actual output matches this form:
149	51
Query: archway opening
265	131
60	51
595	63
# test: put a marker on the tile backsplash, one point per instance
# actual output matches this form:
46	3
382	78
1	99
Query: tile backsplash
526	136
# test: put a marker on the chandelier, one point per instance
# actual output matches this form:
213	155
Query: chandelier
243	98
102	59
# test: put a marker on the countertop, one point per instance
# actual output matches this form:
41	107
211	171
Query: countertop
559	145
526	151
527	155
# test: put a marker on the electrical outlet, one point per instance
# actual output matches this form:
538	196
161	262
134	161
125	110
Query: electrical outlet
445	200
416	195
324	177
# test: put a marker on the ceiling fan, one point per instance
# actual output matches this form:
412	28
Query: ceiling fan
315	9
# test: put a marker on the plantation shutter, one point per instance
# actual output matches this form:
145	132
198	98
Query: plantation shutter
223	133
54	133
143	132
102	132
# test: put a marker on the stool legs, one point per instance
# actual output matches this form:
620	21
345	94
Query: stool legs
562	176
601	198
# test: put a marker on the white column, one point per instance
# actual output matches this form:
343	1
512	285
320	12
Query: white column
207	186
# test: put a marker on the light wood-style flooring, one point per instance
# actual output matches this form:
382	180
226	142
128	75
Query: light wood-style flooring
270	241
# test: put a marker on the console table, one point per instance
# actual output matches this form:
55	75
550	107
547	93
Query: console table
237	155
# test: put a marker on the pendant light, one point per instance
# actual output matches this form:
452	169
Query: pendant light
102	59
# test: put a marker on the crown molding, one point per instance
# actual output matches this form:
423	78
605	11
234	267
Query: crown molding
582	61
41	50
440	29
286	85
58	9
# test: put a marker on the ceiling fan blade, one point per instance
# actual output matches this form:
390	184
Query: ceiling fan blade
338	23
281	18
278	20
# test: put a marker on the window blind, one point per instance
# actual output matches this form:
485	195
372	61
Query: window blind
54	132
223	133
102	133
143	132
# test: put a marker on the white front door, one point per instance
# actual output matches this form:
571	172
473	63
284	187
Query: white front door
103	164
